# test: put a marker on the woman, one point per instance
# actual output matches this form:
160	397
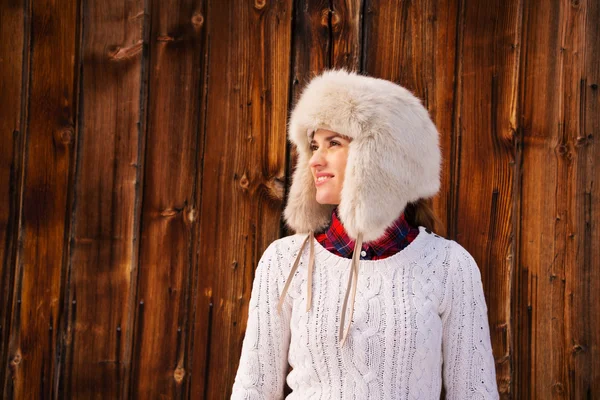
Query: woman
362	303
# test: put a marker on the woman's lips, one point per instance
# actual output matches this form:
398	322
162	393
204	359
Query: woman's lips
322	180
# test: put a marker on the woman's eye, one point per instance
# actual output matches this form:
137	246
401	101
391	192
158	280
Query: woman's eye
314	147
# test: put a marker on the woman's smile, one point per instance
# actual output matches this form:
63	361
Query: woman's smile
322	178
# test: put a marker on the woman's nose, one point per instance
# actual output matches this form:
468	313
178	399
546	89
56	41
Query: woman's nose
317	159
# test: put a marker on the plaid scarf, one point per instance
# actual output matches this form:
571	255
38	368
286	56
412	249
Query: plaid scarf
397	236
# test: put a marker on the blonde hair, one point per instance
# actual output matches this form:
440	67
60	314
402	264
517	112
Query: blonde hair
421	213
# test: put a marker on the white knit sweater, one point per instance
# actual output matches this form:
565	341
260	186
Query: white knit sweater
420	319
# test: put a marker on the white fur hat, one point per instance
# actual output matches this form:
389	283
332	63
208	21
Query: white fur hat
394	157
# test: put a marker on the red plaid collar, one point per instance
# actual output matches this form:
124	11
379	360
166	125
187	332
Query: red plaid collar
397	236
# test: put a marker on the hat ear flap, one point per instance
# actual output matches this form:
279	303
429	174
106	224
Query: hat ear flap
372	195
303	213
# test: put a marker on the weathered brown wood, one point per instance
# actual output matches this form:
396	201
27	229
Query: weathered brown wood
487	122
50	138
345	28
243	175
556	245
581	43
542	214
312	41
102	242
584	293
12	114
574	165
169	211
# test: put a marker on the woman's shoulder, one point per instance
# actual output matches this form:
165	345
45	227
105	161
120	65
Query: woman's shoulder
439	242
287	245
281	250
457	259
463	265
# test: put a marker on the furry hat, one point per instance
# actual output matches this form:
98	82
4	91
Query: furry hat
393	159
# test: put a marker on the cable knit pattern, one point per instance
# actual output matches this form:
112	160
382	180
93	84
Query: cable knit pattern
420	321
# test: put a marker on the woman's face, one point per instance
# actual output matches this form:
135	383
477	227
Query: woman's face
328	164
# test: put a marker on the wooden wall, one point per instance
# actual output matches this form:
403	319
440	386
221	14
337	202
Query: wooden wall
144	167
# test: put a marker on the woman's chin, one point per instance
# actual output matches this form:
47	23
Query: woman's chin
325	199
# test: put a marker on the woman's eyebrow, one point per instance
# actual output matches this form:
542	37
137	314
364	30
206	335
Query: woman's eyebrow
328	138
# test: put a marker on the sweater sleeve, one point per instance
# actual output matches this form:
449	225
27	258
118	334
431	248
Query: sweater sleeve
468	365
263	363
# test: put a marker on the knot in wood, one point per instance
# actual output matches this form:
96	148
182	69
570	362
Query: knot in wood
562	149
558	388
16	359
190	215
578	348
65	136
178	374
197	21
244	182
325	17
118	53
260	4
581	141
335	19
170	212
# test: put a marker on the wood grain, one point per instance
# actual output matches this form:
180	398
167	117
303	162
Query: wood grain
103	242
555	235
13	68
47	184
484	157
242	176
584	289
169	200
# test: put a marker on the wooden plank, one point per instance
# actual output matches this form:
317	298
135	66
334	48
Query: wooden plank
13	67
485	154
580	300
345	27
325	36
557	302
50	137
102	238
540	214
312	41
584	287
242	177
169	200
